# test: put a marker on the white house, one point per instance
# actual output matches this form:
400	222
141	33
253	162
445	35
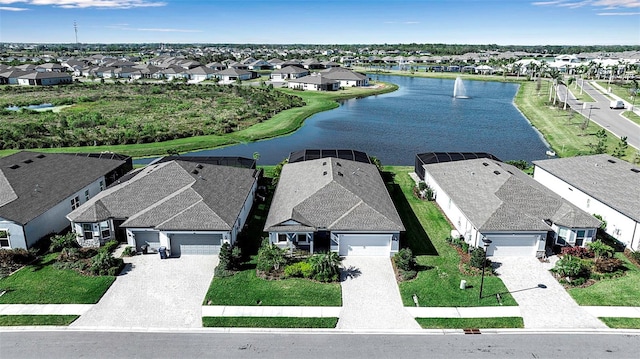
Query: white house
38	190
485	198
332	202
44	78
190	205
598	184
232	75
314	82
288	73
346	77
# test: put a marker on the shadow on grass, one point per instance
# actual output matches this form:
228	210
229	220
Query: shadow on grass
415	236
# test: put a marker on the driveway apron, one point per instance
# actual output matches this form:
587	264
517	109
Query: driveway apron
370	296
154	293
547	306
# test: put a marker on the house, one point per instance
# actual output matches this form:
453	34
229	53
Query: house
333	204
231	75
288	73
346	77
189	205
485	198
598	184
44	78
201	73
37	191
314	82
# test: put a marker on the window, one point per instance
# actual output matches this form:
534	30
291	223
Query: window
580	237
86	195
105	231
282	237
102	185
87	230
4	238
302	237
75	202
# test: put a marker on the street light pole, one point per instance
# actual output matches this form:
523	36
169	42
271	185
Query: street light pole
486	242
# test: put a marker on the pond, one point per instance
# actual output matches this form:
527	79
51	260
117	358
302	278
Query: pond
422	116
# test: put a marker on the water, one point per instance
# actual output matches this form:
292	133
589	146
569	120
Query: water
421	116
30	107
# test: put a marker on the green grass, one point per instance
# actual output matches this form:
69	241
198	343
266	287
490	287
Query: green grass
246	289
632	116
269	322
464	323
28	320
620	291
616	89
43	284
437	285
621	323
561	129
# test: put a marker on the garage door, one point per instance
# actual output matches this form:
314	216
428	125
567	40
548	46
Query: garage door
513	246
365	245
151	239
183	244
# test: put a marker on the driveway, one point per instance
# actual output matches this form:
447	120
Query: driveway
370	296
154	293
542	307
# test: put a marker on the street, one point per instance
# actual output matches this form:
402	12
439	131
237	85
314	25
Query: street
324	344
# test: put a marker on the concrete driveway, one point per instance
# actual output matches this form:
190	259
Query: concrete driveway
154	293
370	296
542	307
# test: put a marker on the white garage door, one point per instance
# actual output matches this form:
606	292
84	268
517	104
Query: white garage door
195	244
148	238
365	245
513	246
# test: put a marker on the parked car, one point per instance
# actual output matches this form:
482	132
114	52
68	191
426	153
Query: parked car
616	105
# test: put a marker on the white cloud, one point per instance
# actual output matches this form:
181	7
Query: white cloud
618	13
598	5
9	8
82	4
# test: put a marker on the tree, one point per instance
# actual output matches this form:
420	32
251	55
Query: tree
277	170
270	257
326	266
601	146
621	148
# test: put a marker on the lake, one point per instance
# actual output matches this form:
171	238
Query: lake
422	116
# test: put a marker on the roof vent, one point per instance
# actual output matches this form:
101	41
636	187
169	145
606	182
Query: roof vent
27	161
199	166
324	163
324	173
41	156
485	164
635	170
496	172
611	161
195	172
339	164
340	174
13	167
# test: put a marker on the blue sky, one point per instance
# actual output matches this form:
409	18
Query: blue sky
502	22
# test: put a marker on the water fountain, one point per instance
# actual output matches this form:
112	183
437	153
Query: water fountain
458	89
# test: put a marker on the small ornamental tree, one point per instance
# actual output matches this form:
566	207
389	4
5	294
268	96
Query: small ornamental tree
601	250
326	266
572	267
270	257
478	258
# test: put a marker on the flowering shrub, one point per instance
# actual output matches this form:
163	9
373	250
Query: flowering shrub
579	252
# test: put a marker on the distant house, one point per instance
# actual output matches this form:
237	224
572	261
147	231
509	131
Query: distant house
346	77
44	78
598	184
333	204
485	198
201	73
190	206
260	65
288	73
231	75
37	191
314	82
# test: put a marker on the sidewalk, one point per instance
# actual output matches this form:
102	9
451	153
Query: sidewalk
605	92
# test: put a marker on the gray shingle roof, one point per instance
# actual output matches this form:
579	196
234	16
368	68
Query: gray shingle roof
39	183
609	180
174	195
497	196
333	193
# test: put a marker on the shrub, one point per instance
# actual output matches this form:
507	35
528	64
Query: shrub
129	251
299	270
270	257
13	259
326	266
110	246
601	250
478	258
230	257
579	252
102	263
405	260
572	267
58	242
608	265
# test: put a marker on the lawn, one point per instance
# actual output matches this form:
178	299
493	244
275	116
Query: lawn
624	92
621	323
246	289
29	320
464	323
561	128
269	322
632	116
621	291
42	284
437	284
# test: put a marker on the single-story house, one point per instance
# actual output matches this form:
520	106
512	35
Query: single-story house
37	191
333	204
346	77
598	184
231	75
201	73
314	82
45	78
187	205
288	73
485	198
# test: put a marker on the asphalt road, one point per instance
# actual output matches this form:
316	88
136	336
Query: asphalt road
77	344
601	114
